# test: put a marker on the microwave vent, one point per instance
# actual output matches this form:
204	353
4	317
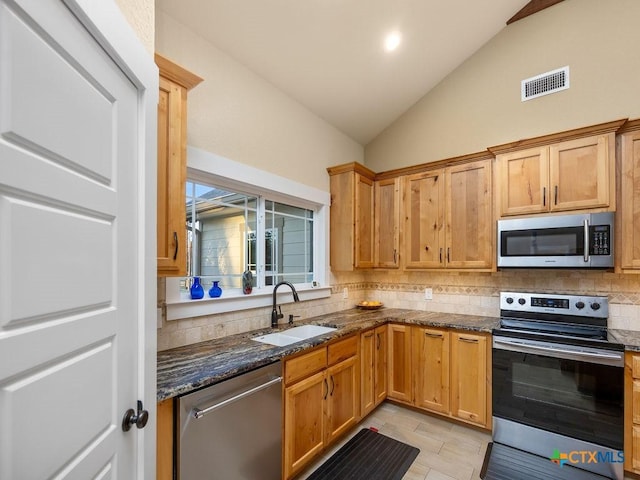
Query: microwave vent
545	83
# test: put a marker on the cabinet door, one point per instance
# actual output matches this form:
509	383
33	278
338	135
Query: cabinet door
387	223
364	222
630	201
304	407
172	173
424	232
343	398
469	377
380	364
367	372
470	226
431	368
399	366
524	179
580	173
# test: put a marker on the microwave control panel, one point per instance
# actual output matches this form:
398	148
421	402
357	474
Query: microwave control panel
600	240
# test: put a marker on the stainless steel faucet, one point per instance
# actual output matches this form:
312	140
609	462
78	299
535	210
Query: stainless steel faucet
275	316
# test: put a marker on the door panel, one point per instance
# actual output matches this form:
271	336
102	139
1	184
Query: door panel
72	232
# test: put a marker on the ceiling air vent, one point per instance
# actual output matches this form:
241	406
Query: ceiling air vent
545	83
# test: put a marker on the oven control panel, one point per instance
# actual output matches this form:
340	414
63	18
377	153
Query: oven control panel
579	305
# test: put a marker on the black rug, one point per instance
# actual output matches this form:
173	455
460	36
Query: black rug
368	456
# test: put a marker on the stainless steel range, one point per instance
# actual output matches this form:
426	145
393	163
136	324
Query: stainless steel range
558	389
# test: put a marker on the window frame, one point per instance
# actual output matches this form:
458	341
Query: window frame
208	168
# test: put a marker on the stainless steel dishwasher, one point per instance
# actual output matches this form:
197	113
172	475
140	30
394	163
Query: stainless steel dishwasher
233	430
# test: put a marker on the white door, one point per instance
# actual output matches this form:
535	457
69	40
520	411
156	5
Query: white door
76	156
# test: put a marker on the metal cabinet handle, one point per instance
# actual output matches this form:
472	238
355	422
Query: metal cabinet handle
326	386
378	343
468	340
199	413
440	255
175	240
448	252
556	195
333	385
544	196
433	335
395	256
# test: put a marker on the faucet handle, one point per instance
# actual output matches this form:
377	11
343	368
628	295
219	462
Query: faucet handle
291	317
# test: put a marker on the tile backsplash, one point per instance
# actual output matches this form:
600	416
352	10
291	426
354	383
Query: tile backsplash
464	292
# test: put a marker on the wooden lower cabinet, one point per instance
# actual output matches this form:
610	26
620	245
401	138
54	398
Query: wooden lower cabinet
632	412
452	373
431	367
399	366
321	401
164	440
469	382
373	368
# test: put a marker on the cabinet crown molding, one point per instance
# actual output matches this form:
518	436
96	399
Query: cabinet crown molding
176	73
630	126
351	167
598	129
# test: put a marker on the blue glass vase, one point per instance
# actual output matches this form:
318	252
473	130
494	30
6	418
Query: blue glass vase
215	291
196	289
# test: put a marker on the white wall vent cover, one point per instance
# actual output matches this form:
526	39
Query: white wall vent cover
545	83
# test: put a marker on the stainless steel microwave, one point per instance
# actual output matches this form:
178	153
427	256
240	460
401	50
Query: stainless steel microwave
560	241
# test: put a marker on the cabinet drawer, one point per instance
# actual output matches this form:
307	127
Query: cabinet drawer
343	349
305	365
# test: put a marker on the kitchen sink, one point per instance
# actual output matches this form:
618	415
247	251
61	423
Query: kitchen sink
293	335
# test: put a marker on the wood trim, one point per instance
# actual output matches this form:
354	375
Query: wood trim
471	157
598	129
534	6
165	440
176	73
351	167
630	126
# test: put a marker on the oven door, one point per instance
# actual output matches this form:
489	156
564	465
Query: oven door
575	391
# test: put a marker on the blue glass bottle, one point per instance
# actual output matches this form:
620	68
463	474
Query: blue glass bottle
196	289
215	291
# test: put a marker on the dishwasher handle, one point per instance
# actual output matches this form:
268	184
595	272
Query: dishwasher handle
201	412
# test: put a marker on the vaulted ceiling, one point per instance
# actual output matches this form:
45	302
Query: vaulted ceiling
330	55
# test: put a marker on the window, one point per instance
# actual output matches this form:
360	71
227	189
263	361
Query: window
229	233
241	218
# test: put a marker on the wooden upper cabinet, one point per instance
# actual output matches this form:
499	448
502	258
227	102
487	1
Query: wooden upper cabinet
582	173
424	233
449	218
523	178
573	170
387	223
628	242
351	217
175	81
470	225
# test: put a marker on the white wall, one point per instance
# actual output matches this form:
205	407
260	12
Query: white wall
478	105
141	16
238	115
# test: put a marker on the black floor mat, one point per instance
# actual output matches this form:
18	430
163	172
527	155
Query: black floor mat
368	456
505	463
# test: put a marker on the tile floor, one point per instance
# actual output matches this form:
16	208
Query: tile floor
448	450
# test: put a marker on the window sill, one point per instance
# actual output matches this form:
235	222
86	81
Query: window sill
231	301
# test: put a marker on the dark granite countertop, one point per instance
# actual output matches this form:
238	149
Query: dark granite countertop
185	369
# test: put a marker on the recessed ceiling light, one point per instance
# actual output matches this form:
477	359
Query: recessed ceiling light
392	41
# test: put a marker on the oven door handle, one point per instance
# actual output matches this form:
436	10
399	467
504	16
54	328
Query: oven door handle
526	347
